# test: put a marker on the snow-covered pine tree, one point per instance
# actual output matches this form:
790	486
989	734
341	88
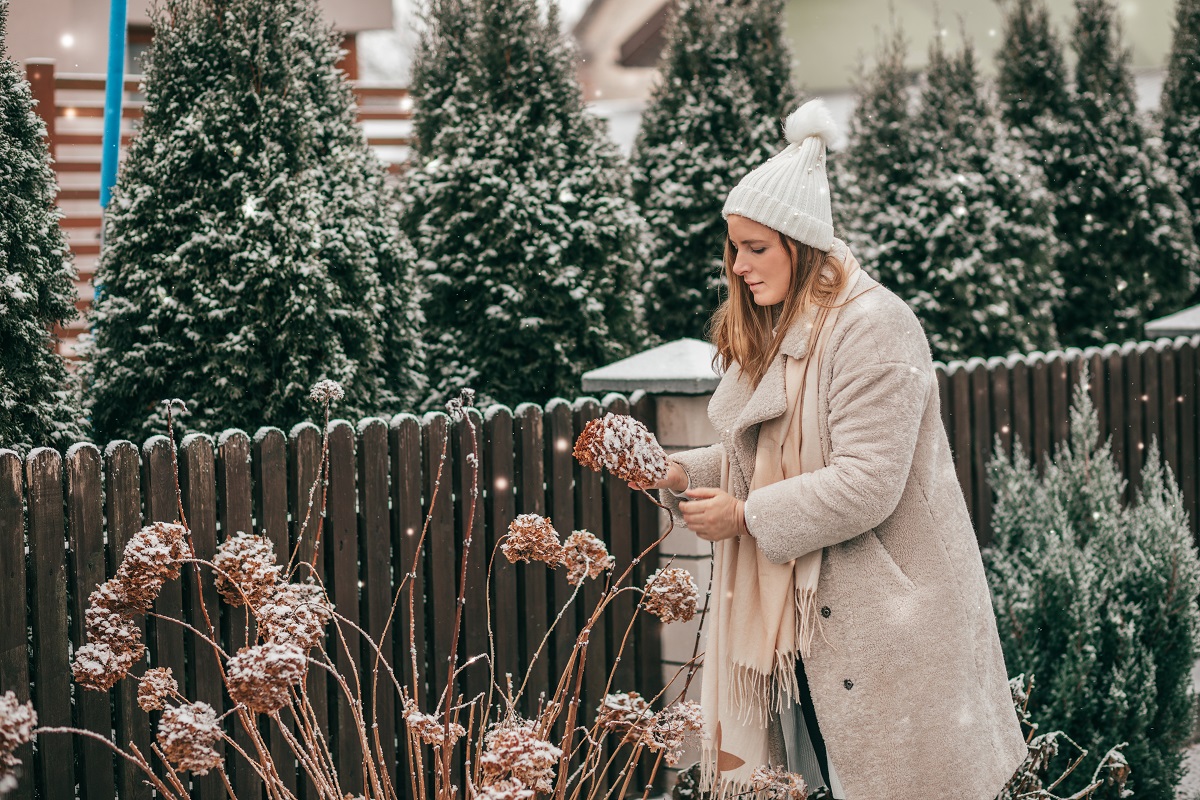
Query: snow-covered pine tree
985	285
517	202
1181	108
251	246
38	402
874	181
1090	592
1128	254
705	126
1031	78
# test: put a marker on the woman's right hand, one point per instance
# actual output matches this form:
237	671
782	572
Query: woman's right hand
676	480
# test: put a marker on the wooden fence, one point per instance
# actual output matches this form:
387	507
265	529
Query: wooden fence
1142	391
65	521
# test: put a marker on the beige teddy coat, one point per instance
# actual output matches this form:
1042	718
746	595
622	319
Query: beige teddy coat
909	683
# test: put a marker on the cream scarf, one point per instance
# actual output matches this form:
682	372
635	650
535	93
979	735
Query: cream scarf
764	615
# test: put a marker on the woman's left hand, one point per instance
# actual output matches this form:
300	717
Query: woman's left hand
713	514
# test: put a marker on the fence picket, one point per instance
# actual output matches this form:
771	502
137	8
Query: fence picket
981	437
1001	403
234	493
123	510
158	478
1041	411
533	579
1135	442
1059	374
1168	403
375	545
467	444
85	530
1152	392
14	654
270	469
197	481
589	515
960	430
47	579
1022	412
560	502
1189	406
1093	358
618	521
500	509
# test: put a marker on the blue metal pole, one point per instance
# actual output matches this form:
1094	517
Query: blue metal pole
114	94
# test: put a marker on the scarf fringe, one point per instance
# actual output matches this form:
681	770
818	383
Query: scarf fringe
715	787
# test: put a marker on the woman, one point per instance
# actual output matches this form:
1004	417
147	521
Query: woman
852	637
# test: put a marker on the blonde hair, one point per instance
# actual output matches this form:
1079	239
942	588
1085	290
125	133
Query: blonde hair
741	329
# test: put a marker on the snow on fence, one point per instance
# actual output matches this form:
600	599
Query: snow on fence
1142	391
65	521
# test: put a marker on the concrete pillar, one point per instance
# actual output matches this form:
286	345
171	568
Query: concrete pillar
680	377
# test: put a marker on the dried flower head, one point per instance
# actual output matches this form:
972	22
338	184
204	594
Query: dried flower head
623	709
296	613
624	446
532	537
17	722
430	729
152	557
585	556
247	569
326	391
776	783
671	728
515	750
99	665
671	595
511	789
259	676
187	735
457	407
157	686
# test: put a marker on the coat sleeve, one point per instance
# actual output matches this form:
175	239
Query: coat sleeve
703	468
875	413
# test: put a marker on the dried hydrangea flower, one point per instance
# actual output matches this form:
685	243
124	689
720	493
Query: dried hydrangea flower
295	613
187	735
246	569
515	750
774	783
99	665
156	687
531	537
259	676
671	727
671	595
624	708
624	446
17	722
511	789
326	391
430	729
152	557
585	556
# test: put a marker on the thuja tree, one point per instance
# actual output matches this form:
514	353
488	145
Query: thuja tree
529	248
1092	592
1031	78
874	180
251	246
984	284
38	405
713	116
1181	108
1127	250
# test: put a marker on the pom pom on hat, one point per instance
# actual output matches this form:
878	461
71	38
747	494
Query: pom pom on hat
811	119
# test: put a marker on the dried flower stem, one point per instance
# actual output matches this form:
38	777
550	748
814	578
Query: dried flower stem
133	757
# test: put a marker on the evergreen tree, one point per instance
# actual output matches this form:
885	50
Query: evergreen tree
1031	78
37	404
517	203
1093	593
984	285
1181	108
251	246
712	118
874	181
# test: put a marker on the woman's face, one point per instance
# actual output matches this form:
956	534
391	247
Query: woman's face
762	260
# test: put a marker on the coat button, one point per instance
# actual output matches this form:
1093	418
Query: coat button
825	612
849	684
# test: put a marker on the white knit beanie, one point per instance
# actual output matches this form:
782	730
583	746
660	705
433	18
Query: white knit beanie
790	191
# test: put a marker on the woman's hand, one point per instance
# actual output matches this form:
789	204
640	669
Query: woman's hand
713	514
676	480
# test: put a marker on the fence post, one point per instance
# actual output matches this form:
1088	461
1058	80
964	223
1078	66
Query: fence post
14	654
40	74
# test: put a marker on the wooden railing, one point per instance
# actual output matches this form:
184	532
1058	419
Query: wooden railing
72	107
